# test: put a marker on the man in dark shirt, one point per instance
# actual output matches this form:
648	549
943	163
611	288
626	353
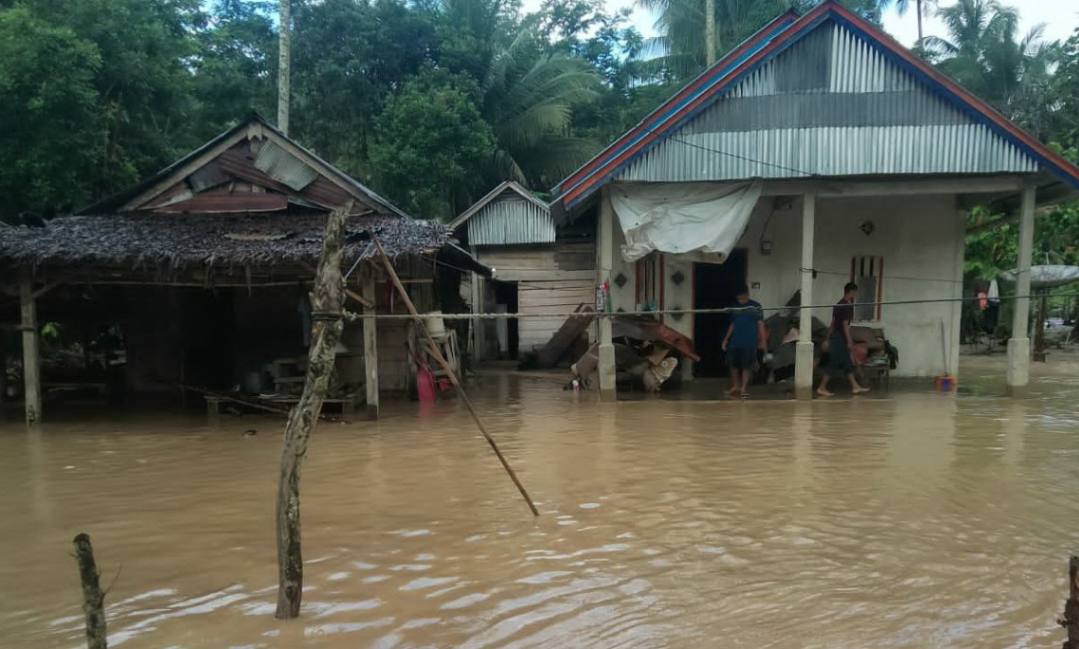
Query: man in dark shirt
840	343
745	335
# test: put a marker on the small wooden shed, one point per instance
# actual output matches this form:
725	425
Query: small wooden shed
200	275
538	269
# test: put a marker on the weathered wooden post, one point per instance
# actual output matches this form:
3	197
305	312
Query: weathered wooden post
327	303
93	600
370	341
31	363
1070	621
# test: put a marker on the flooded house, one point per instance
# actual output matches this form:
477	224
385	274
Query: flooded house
818	152
539	270
196	280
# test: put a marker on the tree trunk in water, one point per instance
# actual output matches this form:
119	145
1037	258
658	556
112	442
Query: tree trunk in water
93	600
284	65
327	301
1071	606
710	31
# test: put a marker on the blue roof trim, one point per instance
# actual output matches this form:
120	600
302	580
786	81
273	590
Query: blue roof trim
789	34
720	92
662	122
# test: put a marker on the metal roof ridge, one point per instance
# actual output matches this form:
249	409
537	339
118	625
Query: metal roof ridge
499	189
672	113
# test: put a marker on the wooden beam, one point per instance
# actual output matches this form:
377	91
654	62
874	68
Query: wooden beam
184	171
370	342
31	362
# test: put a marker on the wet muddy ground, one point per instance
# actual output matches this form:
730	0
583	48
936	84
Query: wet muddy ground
910	519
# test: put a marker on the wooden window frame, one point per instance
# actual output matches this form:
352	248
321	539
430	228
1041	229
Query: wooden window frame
861	267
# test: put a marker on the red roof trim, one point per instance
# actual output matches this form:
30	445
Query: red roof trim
597	171
661	113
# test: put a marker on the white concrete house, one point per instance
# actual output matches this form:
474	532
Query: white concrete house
818	152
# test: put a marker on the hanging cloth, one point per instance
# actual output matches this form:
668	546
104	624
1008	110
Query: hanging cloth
683	218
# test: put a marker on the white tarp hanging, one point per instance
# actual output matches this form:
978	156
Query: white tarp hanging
683	217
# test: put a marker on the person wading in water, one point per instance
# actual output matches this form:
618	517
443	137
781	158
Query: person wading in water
744	336
840	343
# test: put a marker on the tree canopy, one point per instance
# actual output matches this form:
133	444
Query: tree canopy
431	102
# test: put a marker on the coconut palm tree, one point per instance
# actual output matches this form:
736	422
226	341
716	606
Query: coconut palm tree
682	43
528	95
526	92
682	46
984	52
921	7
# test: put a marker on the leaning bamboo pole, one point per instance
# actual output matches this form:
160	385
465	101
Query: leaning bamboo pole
327	306
441	360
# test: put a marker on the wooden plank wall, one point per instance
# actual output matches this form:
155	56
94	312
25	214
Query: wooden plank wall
551	279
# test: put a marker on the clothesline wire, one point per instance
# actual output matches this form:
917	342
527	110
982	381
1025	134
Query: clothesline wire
719	310
887	276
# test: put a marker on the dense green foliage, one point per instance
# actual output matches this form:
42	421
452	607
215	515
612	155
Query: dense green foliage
431	102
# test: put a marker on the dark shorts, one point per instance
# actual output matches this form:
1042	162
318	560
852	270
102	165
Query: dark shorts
742	358
839	356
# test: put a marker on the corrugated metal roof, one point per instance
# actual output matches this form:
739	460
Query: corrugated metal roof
510	220
508	215
836	69
830	106
284	167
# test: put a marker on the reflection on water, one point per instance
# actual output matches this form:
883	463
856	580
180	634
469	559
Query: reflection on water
918	520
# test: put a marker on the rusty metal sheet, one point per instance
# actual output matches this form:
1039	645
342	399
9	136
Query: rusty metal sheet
230	203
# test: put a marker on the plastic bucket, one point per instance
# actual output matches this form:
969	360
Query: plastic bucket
425	385
436	326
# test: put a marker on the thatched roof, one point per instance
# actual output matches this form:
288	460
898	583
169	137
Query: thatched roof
209	241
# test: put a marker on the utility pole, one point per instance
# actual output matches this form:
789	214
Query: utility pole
918	8
710	31
283	64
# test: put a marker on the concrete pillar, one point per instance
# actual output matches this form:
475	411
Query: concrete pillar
1019	343
604	263
955	333
31	363
803	360
370	341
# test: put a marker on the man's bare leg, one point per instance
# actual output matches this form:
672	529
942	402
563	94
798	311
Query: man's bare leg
734	382
822	390
855	388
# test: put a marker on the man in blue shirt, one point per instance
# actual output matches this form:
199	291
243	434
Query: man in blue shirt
745	335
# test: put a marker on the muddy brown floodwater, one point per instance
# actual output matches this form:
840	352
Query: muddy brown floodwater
912	520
